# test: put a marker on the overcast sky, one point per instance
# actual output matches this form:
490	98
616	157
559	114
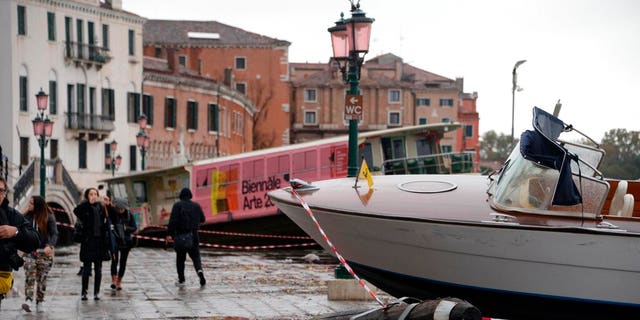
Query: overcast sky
584	52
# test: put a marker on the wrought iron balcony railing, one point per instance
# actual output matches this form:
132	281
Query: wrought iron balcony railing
90	122
87	54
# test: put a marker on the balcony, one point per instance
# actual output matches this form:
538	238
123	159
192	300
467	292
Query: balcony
87	55
89	126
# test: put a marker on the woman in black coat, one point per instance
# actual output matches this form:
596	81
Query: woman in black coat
95	243
124	226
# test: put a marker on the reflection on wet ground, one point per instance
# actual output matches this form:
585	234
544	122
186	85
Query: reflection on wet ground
276	284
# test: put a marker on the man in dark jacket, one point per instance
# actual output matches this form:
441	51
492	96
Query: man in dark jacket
16	233
186	217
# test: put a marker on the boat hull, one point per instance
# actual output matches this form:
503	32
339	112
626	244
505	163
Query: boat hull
507	270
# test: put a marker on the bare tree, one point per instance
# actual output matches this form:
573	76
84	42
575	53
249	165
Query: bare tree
262	94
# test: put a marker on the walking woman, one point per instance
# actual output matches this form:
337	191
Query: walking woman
94	247
123	228
38	263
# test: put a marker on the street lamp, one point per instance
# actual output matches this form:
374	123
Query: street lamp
350	43
142	139
515	87
42	129
113	162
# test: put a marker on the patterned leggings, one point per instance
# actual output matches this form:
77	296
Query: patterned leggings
36	269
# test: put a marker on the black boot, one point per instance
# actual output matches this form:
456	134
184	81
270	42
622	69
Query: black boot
203	281
85	286
96	287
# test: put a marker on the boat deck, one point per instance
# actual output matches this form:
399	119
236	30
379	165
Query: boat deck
418	192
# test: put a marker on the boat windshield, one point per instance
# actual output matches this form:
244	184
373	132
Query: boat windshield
524	184
546	173
589	159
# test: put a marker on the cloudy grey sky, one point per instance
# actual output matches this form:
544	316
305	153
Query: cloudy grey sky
584	52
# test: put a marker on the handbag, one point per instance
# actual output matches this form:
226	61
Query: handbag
78	234
183	241
106	255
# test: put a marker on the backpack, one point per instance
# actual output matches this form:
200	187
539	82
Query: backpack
184	224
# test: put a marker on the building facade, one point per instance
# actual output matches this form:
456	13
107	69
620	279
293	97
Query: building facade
252	64
73	50
191	117
395	94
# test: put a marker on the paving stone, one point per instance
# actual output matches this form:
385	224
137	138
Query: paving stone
252	285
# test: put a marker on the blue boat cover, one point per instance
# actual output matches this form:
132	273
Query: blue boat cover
541	146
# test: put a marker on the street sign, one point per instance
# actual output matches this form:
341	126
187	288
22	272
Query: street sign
353	107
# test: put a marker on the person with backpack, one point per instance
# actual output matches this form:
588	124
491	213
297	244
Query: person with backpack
185	220
124	226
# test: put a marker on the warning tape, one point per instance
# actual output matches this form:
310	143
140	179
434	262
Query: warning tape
257	235
221	246
335	251
225	233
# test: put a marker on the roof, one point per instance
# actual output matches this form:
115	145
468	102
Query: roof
175	33
411	75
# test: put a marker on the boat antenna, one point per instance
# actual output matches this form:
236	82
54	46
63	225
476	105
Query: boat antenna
556	110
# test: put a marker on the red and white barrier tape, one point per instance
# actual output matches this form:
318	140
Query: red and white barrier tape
335	251
225	233
223	246
256	235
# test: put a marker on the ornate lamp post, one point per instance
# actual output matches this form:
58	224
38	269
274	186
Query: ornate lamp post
113	162
514	80
42	129
350	42
142	139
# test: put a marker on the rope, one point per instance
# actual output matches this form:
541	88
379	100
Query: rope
335	251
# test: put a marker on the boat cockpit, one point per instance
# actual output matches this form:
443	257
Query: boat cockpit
546	175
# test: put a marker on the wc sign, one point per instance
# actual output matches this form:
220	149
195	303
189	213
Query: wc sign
353	107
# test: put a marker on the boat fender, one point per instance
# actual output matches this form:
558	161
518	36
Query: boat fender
455	309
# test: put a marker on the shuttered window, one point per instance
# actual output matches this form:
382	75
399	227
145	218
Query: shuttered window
192	115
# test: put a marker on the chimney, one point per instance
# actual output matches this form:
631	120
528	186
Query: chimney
110	4
172	62
116	4
228	76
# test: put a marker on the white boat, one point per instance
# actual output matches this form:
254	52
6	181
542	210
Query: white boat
542	238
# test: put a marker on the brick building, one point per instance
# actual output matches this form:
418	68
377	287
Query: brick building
252	64
394	94
190	116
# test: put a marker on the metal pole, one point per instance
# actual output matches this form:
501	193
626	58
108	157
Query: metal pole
143	151
514	87
352	168
513	103
113	166
42	166
217	113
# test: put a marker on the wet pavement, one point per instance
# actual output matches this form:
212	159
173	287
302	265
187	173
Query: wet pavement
252	285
